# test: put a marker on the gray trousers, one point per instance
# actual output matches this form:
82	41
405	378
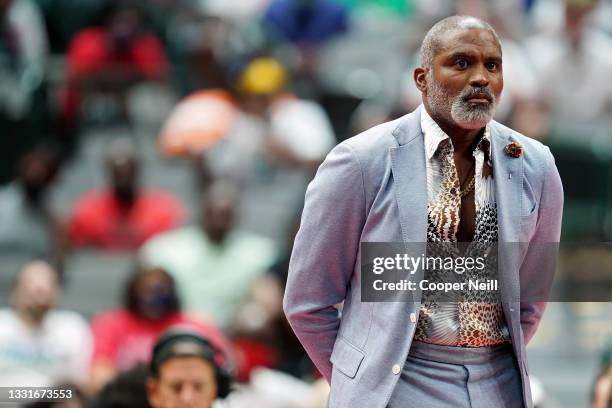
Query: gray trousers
458	377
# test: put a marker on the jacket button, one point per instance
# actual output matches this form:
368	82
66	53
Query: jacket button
396	369
413	317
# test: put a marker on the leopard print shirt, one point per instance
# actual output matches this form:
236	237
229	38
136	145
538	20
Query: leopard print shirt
477	320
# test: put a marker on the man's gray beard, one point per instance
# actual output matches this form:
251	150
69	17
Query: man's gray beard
463	113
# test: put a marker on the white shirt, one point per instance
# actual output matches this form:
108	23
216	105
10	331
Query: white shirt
58	351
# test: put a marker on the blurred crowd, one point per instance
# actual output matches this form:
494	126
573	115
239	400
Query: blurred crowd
242	99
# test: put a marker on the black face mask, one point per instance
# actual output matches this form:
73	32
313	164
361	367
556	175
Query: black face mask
157	303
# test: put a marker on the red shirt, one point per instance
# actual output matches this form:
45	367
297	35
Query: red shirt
99	220
91	51
124	339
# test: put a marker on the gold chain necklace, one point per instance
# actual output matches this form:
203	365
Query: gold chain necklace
469	187
462	193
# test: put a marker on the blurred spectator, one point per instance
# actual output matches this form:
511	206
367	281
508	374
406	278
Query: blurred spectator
186	370
23	52
575	67
307	23
300	130
274	125
204	42
258	334
260	121
40	345
122	46
262	335
214	263
125	391
28	228
107	59
124	338
23	32
123	215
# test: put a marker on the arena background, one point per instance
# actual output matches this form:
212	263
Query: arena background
90	85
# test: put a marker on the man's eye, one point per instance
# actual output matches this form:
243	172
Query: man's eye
492	66
461	64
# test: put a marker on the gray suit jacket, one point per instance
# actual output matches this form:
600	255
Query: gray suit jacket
372	188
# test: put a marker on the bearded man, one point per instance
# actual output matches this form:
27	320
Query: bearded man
444	173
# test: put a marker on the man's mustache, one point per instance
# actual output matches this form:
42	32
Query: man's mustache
477	92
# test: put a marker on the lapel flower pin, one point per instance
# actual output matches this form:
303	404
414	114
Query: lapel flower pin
514	149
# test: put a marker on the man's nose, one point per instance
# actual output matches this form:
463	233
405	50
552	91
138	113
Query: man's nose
479	77
187	395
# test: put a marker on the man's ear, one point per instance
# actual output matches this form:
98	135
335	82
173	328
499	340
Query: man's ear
420	78
151	386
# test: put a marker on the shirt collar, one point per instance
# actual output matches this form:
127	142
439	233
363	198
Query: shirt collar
434	136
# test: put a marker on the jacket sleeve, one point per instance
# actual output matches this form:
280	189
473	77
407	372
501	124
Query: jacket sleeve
324	254
543	249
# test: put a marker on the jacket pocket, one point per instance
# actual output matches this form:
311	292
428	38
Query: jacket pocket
346	357
528	226
529	201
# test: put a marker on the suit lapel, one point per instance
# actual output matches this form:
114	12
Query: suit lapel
410	186
410	179
410	183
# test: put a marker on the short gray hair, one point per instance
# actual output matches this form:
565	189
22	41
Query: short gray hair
433	39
